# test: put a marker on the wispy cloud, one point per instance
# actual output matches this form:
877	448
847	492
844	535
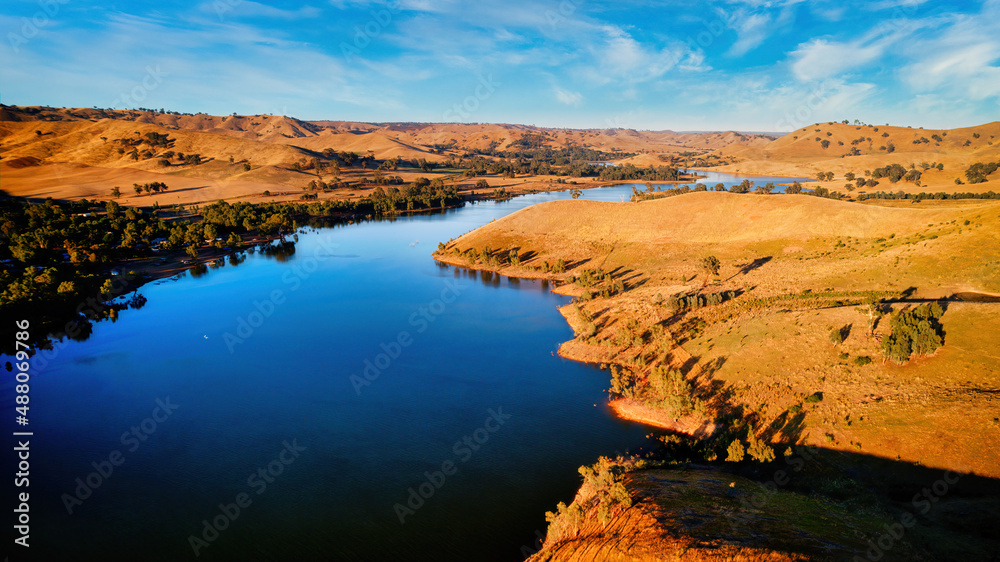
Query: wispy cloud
821	58
751	30
567	97
737	64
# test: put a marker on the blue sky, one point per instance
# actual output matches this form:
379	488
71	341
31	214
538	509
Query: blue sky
736	64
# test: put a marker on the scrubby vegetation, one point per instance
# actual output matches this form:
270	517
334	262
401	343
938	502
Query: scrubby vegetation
663	388
55	256
915	331
605	491
693	301
923	195
977	172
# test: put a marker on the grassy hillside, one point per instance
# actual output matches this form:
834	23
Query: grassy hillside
802	266
83	153
784	347
842	148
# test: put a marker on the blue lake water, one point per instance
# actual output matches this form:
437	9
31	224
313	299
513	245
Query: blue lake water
294	402
711	178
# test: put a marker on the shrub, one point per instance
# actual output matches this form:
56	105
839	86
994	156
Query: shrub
837	335
977	172
735	452
814	398
862	360
605	479
914	331
565	521
760	451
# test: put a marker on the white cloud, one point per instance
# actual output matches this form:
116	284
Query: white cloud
959	62
820	58
751	31
567	97
620	57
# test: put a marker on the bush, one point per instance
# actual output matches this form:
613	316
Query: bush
565	521
915	331
814	398
735	452
837	335
862	360
760	451
605	479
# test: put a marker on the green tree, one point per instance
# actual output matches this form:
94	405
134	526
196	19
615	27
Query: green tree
759	450
116	192
837	335
108	289
914	332
735	452
710	265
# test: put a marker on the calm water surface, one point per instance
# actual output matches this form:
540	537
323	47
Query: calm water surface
312	393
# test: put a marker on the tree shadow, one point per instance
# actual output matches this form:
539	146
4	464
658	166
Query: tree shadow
755	264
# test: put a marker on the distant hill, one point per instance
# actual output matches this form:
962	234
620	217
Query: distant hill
83	152
78	150
842	148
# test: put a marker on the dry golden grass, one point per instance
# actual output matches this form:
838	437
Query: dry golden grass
800	154
770	349
75	151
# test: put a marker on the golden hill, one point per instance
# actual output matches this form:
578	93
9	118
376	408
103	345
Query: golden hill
802	152
72	153
779	250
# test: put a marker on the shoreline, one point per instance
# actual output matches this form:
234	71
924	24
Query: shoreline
574	350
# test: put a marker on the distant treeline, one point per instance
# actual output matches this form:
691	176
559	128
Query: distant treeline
923	195
57	260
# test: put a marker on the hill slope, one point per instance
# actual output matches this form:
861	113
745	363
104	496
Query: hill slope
842	148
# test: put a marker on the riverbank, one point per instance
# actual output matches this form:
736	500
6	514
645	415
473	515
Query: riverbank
755	345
